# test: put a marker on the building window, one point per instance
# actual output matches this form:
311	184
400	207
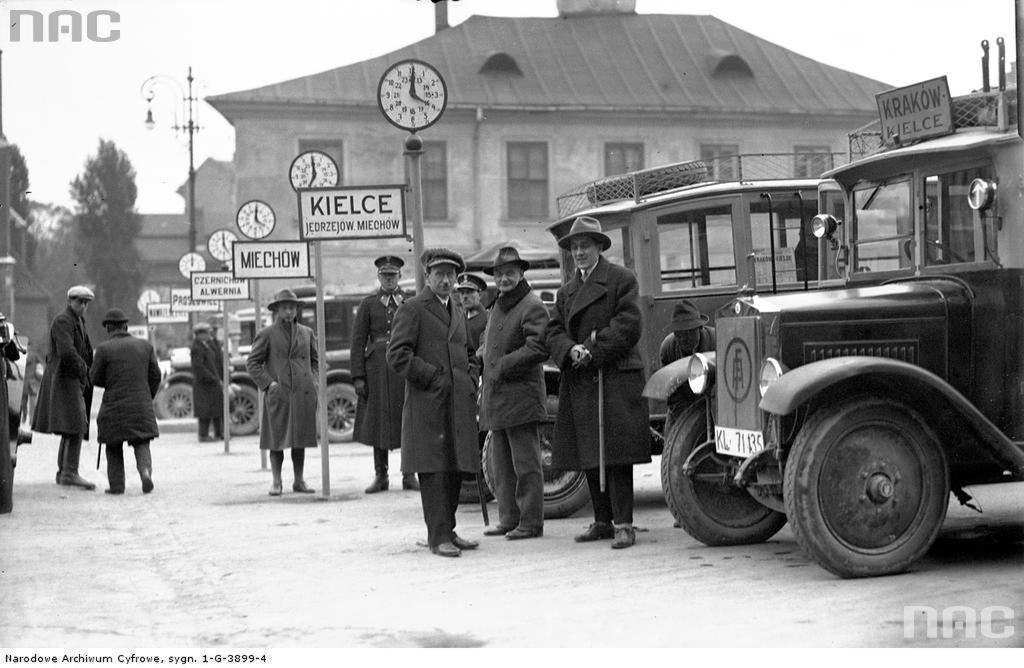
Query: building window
721	160
621	158
527	180
435	180
811	161
331	148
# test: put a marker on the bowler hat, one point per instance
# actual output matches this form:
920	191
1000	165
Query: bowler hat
389	264
114	315
685	316
589	227
470	282
433	257
507	255
284	296
80	292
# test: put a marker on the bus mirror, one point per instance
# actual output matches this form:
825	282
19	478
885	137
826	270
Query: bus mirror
981	194
824	225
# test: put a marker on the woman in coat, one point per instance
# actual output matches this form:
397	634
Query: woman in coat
283	362
593	336
208	383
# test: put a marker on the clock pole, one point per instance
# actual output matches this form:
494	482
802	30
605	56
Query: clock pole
414	151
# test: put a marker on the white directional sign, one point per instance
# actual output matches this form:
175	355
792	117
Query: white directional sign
159	313
147	297
270	259
352	212
182	302
218	286
139	331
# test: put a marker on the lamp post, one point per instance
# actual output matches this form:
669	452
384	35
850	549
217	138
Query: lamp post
189	128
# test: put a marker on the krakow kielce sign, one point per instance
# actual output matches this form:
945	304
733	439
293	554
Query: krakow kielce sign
218	286
915	112
270	259
352	212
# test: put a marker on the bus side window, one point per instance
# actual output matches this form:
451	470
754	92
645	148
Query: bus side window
696	248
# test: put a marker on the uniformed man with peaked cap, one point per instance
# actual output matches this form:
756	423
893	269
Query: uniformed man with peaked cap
470	290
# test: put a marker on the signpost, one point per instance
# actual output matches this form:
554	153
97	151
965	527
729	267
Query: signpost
182	302
271	259
218	285
160	313
915	112
352	212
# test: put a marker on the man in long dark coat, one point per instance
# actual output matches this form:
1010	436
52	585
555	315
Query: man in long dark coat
283	362
430	349
207	383
594	328
380	390
65	394
127	369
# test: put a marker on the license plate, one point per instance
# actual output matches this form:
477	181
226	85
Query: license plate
738	442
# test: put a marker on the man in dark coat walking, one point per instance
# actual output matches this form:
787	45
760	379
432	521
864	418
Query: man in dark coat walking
380	390
65	394
513	397
430	349
127	369
207	383
593	336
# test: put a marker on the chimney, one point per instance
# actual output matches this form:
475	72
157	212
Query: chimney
440	16
567	8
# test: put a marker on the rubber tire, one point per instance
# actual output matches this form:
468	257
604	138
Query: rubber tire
245	411
174	402
341	412
831	427
713	516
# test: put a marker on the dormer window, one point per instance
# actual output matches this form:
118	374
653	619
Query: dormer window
501	63
730	64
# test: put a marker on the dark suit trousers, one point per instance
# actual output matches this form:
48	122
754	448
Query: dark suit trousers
115	462
439	493
615	504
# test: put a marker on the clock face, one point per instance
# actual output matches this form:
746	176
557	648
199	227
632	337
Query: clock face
190	262
220	243
412	95
255	219
313	169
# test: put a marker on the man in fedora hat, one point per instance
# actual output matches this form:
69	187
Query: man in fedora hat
469	289
380	390
593	335
430	349
207	383
283	362
513	397
688	333
127	368
65	393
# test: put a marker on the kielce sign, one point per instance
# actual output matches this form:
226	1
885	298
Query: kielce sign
352	212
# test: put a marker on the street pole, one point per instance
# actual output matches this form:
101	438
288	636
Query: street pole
414	151
321	352
226	369
257	326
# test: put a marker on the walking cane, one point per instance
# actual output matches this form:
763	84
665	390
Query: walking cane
480	487
600	417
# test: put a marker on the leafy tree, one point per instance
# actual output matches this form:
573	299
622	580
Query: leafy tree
106	225
21	238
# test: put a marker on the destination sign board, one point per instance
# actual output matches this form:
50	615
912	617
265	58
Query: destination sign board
352	212
270	259
160	313
915	112
219	286
182	302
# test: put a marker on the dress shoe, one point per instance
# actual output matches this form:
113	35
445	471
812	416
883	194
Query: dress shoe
147	482
409	482
113	491
462	543
379	484
301	487
596	531
75	480
498	530
625	536
520	533
275	489
206	439
446	550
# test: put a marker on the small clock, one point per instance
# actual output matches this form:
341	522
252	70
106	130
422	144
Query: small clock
412	95
313	169
190	262
220	242
255	219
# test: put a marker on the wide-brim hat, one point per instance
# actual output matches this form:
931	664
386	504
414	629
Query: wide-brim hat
586	226
115	315
433	257
507	255
686	316
470	282
389	264
80	292
284	296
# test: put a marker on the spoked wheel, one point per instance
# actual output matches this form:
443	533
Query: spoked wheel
174	402
866	487
341	412
244	410
704	500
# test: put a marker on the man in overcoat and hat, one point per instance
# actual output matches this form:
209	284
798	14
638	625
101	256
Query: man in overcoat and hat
470	288
593	336
380	390
65	393
207	383
513	397
283	362
127	369
689	333
430	349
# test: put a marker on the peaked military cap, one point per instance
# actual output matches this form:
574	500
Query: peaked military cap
433	257
389	264
470	282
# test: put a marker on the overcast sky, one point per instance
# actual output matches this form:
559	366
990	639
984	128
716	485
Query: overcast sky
60	98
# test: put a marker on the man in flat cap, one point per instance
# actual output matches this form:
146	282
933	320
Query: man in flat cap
469	289
65	393
430	349
380	390
207	383
127	369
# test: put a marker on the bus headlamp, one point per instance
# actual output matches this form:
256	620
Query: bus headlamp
702	373
771	371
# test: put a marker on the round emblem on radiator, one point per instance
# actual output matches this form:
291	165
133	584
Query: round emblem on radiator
738	370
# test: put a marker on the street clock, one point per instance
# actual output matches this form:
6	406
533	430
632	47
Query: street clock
219	244
255	219
190	262
313	169
412	95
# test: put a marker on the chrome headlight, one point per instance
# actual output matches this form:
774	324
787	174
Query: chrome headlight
824	225
771	371
702	373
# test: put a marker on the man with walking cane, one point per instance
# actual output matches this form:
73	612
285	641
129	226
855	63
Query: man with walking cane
593	336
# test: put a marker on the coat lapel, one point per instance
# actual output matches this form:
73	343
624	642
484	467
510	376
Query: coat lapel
434	307
592	290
